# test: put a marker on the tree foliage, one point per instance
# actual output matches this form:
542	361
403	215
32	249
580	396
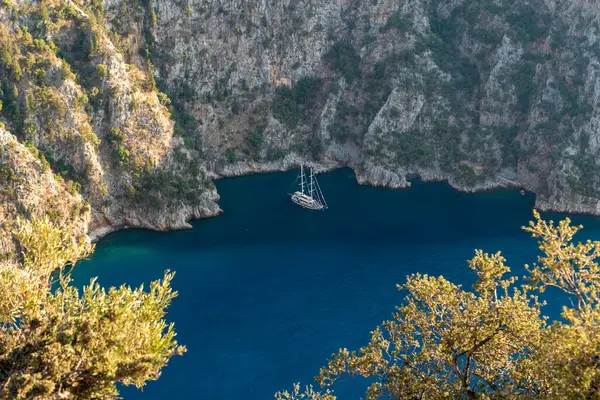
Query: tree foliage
491	342
72	344
344	58
296	104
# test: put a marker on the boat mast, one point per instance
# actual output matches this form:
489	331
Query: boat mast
302	178
311	187
320	194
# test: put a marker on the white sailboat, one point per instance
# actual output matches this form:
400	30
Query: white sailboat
313	197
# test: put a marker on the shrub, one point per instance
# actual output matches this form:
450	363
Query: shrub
467	175
343	58
397	21
7	175
66	72
231	156
285	107
102	71
411	148
523	81
115	135
163	98
292	105
51	100
82	100
528	25
122	153
255	139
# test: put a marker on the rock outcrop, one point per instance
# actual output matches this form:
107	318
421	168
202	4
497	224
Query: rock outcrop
468	92
29	188
138	104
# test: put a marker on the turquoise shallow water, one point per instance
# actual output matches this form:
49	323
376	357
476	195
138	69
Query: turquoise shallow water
268	291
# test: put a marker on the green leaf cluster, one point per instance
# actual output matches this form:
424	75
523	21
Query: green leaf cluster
75	344
491	342
294	105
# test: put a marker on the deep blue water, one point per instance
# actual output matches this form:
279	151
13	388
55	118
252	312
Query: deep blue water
267	291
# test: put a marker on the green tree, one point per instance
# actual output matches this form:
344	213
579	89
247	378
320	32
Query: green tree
71	344
493	342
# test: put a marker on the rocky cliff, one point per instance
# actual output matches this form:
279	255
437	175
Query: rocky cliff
134	105
482	94
93	140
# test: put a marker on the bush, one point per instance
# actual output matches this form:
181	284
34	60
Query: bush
529	25
51	100
340	132
411	148
231	156
62	169
82	100
485	36
102	71
151	83
292	105
122	153
40	76
236	107
523	81
7	175
285	107
397	21
43	13
66	72
158	187
394	112
255	139
343	58
467	175
73	187
98	8
115	135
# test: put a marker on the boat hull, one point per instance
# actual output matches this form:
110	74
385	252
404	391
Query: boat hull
306	202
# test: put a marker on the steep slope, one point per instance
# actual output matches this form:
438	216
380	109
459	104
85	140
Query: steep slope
137	104
482	94
98	121
28	187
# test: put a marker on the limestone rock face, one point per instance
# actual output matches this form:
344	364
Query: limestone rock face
469	92
91	113
138	105
28	187
481	94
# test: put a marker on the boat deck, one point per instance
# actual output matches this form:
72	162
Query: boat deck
307	202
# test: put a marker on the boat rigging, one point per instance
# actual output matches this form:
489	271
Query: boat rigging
312	197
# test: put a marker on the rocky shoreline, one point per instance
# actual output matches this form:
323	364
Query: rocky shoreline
179	219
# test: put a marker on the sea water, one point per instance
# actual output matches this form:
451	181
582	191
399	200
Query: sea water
268	290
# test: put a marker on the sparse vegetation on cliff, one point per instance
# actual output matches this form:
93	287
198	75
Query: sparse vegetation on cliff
95	120
296	104
463	92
